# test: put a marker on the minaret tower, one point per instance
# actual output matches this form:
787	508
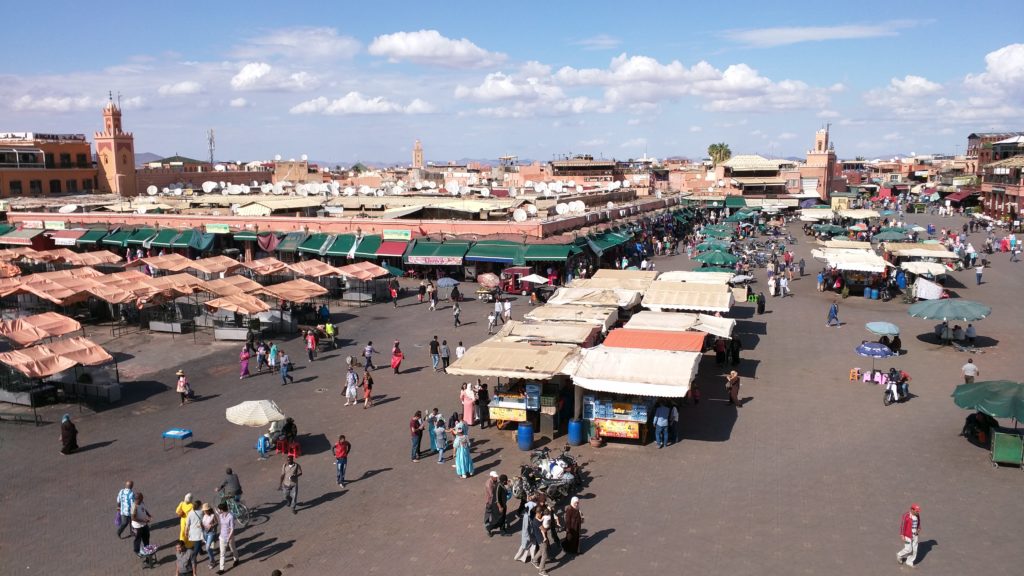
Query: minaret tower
115	149
417	155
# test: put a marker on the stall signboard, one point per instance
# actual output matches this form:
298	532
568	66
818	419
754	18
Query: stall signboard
34	224
55	225
218	229
618	428
508	414
619	411
435	260
405	235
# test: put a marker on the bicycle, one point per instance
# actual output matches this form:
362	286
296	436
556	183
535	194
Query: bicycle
238	510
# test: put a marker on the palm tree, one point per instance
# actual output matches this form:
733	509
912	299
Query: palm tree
719	153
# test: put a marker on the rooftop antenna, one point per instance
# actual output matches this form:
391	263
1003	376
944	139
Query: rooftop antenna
212	142
118	99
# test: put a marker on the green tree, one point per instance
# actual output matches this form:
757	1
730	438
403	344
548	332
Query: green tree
359	168
719	153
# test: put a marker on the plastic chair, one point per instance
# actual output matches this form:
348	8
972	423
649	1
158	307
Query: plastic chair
294	450
281	446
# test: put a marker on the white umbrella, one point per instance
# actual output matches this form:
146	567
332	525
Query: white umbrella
534	279
254	413
919	229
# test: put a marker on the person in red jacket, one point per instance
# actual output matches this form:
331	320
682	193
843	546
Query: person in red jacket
910	528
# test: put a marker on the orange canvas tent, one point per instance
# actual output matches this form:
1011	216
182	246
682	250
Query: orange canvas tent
655	340
25	331
265	266
49	359
240	303
363	271
296	291
233	285
314	268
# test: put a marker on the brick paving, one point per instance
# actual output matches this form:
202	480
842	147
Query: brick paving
810	477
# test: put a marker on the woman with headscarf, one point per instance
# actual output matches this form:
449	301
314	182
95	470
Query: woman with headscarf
68	435
463	459
183	387
243	362
573	524
182	511
468	399
396	357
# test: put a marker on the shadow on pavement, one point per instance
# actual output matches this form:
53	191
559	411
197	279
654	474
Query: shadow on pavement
596	538
137	391
314	444
751	327
323	498
95	445
923	548
384	399
371	474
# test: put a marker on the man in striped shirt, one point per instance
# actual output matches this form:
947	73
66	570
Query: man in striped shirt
910	528
125	499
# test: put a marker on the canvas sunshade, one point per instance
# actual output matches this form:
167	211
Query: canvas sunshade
240	303
655	340
691	276
94	258
603	317
650	320
575	334
215	264
673	296
24	331
649	275
232	285
296	291
313	268
168	262
606	283
610	297
49	359
265	266
513	360
363	271
657	373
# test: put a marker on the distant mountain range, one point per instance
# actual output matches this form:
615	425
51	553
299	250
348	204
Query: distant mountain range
145	158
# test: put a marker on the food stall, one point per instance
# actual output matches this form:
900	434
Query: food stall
683	296
572	314
584	335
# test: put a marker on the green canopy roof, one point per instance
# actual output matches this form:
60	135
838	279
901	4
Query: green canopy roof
608	240
550	252
436	253
200	241
342	244
140	236
291	242
397	272
165	237
5	228
245	235
316	243
735	202
91	237
183	239
119	238
368	246
500	252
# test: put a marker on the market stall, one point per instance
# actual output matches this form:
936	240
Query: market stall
57	363
667	296
696	277
233	326
31	329
584	335
366	281
604	297
639	284
599	316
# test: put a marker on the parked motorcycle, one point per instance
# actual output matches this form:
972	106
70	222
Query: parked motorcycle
897	387
555	467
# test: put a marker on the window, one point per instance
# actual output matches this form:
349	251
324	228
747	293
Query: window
35	187
49	160
87	185
82	160
54	186
16	188
71	186
65	160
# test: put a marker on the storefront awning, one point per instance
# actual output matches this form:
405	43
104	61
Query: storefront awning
437	253
667	296
291	242
735	202
140	236
244	236
655	340
91	237
182	240
368	246
604	297
550	252
392	248
657	373
513	360
164	238
598	316
342	245
316	244
66	237
22	237
960	196
502	253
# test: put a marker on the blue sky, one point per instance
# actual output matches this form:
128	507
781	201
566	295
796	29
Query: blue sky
360	81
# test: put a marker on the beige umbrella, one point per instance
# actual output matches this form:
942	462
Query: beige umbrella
254	413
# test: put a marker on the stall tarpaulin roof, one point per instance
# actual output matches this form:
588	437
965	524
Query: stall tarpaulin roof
16	253
857	261
239	302
266	266
609	283
573	334
655	340
54	255
696	277
168	262
363	271
664	296
650	320
66	237
368	246
500	252
182	283
604	297
599	316
94	258
658	373
164	238
846	244
549	252
649	275
513	360
392	248
233	285
314	269
29	329
715	325
942	254
49	359
8	270
20	237
342	245
296	291
932	268
215	264
317	243
92	236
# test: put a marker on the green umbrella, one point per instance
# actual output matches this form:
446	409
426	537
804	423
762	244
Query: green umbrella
899	229
889	237
949	309
742	215
713	269
396	272
713	233
997	398
713	245
829	228
716	258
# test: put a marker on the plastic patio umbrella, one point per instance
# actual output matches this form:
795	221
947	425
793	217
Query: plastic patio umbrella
883	328
873	350
534	279
713	245
949	309
447	282
713	269
889	237
997	398
716	233
716	258
254	413
396	272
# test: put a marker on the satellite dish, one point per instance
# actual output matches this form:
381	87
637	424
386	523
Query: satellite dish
452	187
609	186
556	186
721	183
472	181
579	189
519	215
277	157
528	184
611	204
302	190
209	186
397	190
278	189
570	183
69	208
561	209
531	209
485	192
380	192
513	192
364	190
540	187
267	188
223	184
432	184
255	184
245	188
177	191
349	191
304	157
152	190
220	168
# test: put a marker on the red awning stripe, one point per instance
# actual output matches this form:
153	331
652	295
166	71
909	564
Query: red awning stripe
391	248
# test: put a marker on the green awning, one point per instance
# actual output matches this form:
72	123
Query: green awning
140	236
5	228
165	237
550	252
291	242
436	253
183	239
609	240
245	235
119	238
201	241
735	202
368	246
342	245
92	236
316	244
499	252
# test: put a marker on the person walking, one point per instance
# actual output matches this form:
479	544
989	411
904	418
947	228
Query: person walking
182	512
243	363
482	402
498	508
673	424
140	518
734	350
460	351
433	299
661	419
272	358
367	385
183	388
492	322
125	499
545	530
226	539
526	532
506	310
289	484
342	448
183	560
440	438
310	340
415	435
396	357
261	356
467	398
732	385
970	371
760	302
463	457
978	271
783	286
802	266
573	527
421	291
351	387
821	281
435	353
833	314
286	368
446	356
68	435
499	311
331	333
456	312
210	532
368	353
194	532
910	530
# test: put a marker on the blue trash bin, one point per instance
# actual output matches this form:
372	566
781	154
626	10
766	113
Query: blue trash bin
874	293
524	436
577	436
867	293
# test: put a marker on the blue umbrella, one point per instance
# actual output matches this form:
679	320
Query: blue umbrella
873	350
447	282
883	328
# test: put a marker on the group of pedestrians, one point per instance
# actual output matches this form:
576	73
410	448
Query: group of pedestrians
539	540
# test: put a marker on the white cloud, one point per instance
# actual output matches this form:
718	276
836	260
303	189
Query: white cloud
356	103
1004	71
592	143
695	129
907	96
498	86
431	48
599	42
29	103
299	42
263	76
238	103
634	143
781	36
891	137
534	69
786	136
828	114
182	88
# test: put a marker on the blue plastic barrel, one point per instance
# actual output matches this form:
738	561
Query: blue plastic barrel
867	293
576	434
524	436
874	293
